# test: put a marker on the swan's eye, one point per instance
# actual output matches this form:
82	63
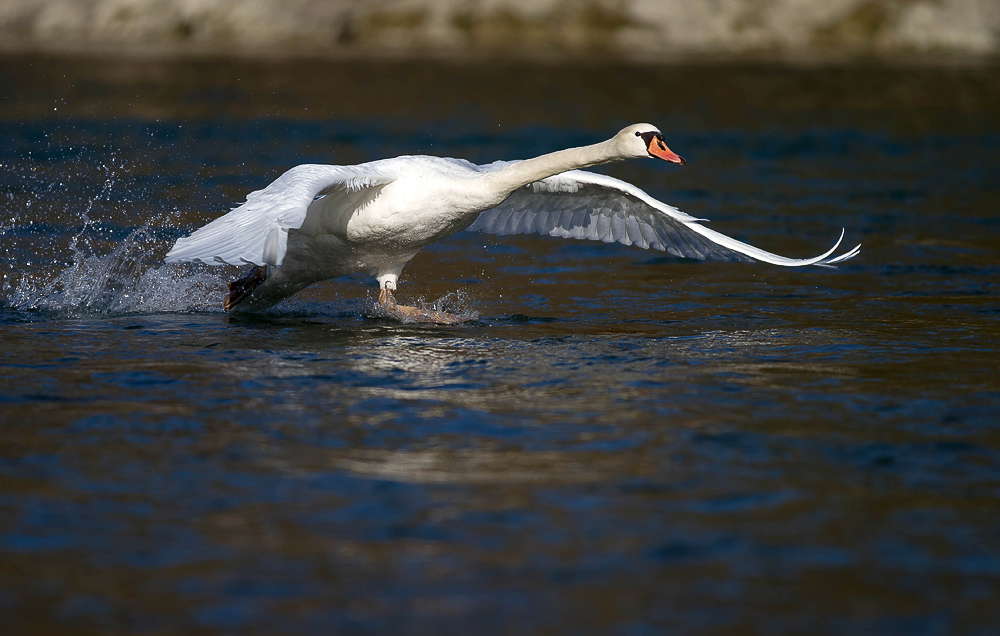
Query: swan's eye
638	134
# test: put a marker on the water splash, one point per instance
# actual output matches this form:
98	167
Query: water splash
87	279
90	256
128	280
457	303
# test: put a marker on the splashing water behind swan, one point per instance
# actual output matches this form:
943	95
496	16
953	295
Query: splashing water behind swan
125	281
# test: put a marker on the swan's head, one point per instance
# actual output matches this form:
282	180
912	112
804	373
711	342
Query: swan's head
645	140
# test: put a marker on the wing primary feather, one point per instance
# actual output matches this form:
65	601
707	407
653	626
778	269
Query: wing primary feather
584	205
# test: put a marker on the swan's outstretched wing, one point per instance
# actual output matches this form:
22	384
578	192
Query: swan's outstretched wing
585	205
257	231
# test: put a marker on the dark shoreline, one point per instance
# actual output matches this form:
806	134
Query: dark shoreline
263	55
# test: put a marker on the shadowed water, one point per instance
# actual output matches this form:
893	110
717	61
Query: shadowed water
622	442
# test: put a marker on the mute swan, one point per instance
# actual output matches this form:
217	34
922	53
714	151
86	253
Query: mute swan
316	222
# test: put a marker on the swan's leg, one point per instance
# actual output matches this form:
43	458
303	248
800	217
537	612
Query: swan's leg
388	302
240	288
387	283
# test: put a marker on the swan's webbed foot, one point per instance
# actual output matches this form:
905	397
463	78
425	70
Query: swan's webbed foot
407	313
240	288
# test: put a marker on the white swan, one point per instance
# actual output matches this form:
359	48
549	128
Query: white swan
317	222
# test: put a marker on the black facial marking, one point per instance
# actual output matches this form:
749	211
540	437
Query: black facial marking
648	137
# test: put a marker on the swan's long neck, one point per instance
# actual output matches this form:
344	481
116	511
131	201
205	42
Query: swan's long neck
528	171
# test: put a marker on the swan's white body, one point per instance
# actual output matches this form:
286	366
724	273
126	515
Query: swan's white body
317	222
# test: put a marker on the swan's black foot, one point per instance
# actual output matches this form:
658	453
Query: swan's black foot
407	313
240	288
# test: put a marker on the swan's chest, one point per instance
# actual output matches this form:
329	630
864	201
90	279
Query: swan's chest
415	211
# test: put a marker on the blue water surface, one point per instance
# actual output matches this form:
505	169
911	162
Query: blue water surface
621	441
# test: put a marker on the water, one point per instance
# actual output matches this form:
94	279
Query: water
621	443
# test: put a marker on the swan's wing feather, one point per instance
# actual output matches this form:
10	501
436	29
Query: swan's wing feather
585	205
257	231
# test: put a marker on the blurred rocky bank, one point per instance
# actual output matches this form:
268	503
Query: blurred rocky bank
640	30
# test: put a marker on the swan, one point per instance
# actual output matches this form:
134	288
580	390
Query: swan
317	222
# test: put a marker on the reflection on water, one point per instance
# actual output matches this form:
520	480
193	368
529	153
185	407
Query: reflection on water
622	442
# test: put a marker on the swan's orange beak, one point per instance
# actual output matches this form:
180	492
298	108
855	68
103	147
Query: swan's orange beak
657	148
